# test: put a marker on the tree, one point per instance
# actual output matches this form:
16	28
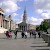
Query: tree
44	26
37	28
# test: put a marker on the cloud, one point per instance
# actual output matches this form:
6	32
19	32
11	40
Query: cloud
14	14
42	7
22	0
42	4
9	6
39	11
19	20
34	21
45	15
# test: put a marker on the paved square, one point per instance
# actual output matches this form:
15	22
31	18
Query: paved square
23	44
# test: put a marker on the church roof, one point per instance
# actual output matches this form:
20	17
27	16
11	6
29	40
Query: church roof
22	23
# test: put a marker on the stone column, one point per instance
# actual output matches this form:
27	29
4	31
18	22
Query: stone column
8	24
1	22
20	28
4	23
23	28
2	19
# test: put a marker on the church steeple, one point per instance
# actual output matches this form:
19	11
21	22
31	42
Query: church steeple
24	15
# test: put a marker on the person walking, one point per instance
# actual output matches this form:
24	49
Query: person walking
22	34
39	34
16	34
25	35
8	34
30	34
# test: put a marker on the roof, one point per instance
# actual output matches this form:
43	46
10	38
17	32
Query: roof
22	23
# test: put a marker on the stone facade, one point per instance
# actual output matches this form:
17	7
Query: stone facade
6	22
23	26
1	17
32	27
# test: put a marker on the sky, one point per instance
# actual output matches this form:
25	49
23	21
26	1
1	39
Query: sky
37	10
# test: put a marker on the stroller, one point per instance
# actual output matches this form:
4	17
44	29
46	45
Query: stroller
8	34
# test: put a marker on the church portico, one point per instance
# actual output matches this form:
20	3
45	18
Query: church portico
22	27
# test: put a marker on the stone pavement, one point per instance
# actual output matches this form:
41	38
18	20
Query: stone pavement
23	44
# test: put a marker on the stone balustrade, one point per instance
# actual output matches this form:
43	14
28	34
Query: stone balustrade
43	36
46	38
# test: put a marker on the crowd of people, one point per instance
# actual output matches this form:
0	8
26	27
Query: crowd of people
24	34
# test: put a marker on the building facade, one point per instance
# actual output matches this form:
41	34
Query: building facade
6	22
32	27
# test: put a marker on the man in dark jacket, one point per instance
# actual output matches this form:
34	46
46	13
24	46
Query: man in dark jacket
16	34
39	34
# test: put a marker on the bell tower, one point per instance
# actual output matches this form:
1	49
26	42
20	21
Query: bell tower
25	16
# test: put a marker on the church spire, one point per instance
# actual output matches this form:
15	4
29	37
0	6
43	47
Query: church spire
24	15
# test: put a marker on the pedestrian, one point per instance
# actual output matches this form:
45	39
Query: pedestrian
8	34
30	34
35	34
25	35
39	34
47	32
15	34
22	34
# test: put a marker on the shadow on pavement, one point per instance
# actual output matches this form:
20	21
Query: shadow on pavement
3	38
38	46
39	42
42	49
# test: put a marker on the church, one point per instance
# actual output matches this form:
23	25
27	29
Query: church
24	26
